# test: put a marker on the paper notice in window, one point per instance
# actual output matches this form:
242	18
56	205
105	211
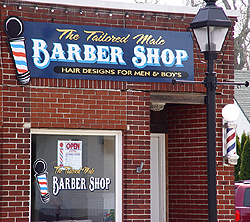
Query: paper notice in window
69	154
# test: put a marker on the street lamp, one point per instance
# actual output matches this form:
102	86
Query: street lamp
210	27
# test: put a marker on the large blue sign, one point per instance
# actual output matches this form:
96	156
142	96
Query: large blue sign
65	51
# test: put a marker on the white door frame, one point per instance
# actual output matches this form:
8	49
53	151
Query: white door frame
158	180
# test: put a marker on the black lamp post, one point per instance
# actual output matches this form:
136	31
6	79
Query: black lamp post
210	27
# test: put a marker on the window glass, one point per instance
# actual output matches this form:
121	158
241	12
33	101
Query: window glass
73	178
246	201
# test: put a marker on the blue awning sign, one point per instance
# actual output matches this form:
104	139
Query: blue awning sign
65	51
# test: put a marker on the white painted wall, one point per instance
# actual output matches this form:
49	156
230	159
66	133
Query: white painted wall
243	124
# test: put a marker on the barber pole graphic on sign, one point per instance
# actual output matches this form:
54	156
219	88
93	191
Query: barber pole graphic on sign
19	54
43	185
61	161
40	168
14	28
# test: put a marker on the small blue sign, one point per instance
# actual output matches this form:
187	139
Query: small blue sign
64	51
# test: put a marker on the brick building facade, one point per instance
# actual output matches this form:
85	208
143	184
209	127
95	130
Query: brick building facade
81	105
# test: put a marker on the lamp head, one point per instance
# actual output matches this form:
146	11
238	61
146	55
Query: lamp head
230	112
210	27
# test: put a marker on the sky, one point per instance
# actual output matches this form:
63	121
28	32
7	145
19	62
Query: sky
161	2
173	2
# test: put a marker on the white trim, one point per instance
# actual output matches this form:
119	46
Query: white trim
74	131
162	176
118	158
128	6
118	176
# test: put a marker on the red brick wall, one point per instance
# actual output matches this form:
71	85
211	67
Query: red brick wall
188	167
187	162
92	104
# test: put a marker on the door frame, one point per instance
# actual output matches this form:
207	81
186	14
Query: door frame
162	175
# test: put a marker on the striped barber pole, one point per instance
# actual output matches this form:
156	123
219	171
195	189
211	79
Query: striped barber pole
43	185
61	157
19	55
14	28
231	142
17	48
40	168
